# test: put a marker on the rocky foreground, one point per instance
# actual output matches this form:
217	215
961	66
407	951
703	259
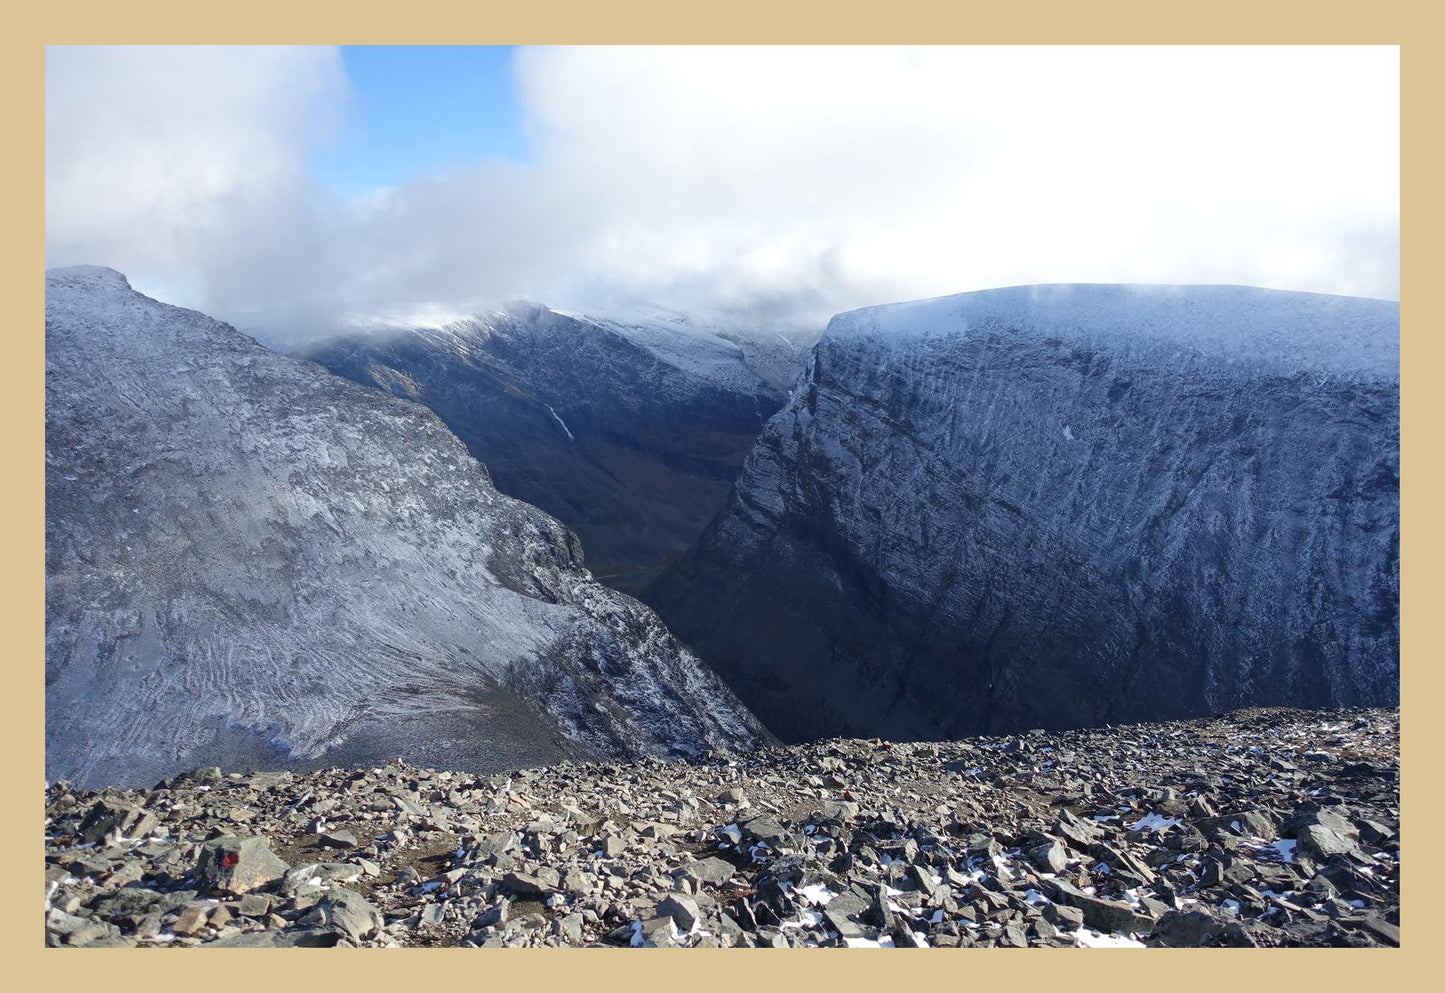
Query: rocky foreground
1259	828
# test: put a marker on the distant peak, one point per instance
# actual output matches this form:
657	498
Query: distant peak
1277	329
87	275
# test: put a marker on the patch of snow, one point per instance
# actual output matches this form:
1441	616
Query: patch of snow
817	894
807	918
560	421
867	943
1153	822
1088	938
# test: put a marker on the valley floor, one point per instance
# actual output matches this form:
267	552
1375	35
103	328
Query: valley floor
1261	827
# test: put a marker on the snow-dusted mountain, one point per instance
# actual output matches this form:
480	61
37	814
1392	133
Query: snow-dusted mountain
252	561
774	353
629	426
1063	505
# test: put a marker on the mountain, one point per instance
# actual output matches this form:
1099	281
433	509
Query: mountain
1063	505
250	561
629	428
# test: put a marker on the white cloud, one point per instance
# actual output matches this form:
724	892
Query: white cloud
176	163
786	182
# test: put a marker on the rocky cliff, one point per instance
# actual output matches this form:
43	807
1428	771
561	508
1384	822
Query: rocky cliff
253	562
1063	505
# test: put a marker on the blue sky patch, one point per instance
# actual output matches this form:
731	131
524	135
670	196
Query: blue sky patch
419	109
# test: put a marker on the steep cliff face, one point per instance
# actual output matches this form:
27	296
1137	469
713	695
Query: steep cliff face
629	428
1063	505
251	561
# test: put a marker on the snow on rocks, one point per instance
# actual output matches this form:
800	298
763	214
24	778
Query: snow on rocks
1153	822
1249	325
844	843
629	428
260	563
850	843
1049	486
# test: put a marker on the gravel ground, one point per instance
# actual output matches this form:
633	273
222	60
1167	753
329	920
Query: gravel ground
1257	828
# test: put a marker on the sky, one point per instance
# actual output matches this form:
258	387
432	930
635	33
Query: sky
323	186
418	109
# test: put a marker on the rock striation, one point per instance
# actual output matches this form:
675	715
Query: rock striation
1057	506
253	562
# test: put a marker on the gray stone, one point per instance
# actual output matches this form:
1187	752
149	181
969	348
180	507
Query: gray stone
569	928
1382	929
348	912
193	919
1050	857
124	821
837	916
493	916
1320	842
765	828
658	932
838	810
59	922
711	869
127	901
681	909
1186	929
526	884
1078	832
97	934
256	905
296	937
340	838
1103	915
238	865
317	875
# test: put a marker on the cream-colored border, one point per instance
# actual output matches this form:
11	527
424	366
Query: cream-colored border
1415	26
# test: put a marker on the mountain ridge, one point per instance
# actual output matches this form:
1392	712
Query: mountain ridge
629	428
253	560
969	519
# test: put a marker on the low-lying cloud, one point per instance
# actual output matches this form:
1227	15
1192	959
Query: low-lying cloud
775	183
